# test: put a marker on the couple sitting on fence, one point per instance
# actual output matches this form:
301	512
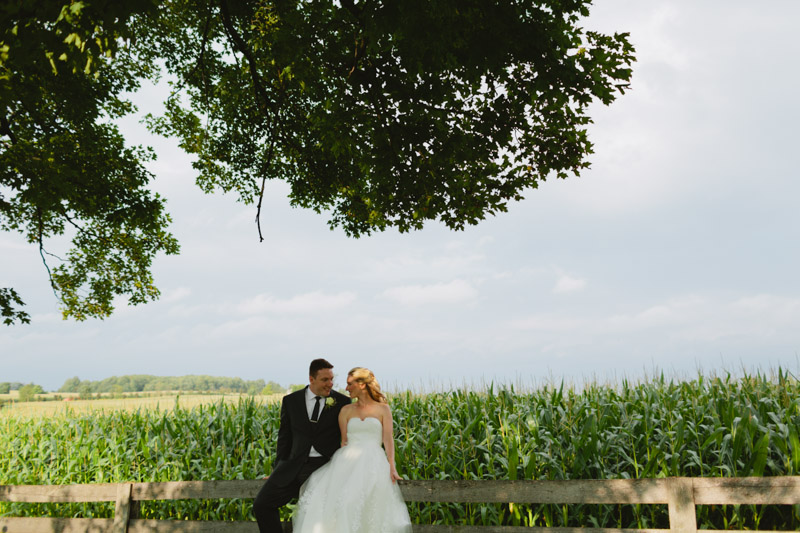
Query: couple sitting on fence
329	454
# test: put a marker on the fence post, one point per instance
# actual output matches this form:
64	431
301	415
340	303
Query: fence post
122	511
682	513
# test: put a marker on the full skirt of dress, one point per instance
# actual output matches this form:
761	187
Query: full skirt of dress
353	492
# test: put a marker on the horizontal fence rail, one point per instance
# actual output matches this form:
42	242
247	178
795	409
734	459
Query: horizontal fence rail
680	494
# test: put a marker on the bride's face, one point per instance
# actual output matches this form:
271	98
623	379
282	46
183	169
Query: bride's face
353	387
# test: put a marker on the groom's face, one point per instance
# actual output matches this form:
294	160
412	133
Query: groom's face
322	383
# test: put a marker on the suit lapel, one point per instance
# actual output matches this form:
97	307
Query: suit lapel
326	410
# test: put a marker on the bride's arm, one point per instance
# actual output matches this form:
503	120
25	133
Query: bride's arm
388	441
343	424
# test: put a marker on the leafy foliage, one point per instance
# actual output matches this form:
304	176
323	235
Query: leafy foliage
28	392
386	114
273	387
6	386
9	299
64	166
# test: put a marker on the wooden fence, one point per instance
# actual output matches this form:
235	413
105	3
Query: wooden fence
680	494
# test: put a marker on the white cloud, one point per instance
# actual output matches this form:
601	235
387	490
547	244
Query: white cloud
176	295
47	318
456	291
14	244
673	312
452	262
694	318
548	323
569	284
456	263
248	326
182	310
311	302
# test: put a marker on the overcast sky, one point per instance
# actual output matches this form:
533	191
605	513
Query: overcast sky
678	250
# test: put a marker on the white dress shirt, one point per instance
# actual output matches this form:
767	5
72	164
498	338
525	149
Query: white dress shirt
310	401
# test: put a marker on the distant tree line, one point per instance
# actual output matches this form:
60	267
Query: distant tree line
6	387
26	392
146	383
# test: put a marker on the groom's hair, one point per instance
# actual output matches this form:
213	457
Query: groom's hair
317	365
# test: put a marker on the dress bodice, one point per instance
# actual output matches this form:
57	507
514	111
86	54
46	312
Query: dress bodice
366	431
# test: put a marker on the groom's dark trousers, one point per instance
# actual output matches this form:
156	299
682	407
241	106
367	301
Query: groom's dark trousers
296	436
271	498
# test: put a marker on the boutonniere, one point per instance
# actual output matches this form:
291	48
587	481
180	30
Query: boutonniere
330	401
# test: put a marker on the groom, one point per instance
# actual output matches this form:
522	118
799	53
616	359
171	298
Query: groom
308	436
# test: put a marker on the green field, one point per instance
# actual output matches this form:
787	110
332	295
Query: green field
70	405
709	426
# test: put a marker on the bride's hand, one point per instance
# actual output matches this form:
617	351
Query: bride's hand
394	475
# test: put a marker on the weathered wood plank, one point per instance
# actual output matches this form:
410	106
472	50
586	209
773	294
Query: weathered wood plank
784	490
122	510
172	490
186	526
573	491
619	491
202	490
80	525
190	526
106	492
682	512
681	494
61	525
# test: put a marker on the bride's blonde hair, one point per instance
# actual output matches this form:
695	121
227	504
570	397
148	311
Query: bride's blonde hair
365	376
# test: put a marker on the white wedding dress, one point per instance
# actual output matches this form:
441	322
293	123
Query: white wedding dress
353	492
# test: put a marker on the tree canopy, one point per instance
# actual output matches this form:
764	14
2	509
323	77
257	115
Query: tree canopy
380	114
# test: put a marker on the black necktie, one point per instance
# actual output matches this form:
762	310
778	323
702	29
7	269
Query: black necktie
315	412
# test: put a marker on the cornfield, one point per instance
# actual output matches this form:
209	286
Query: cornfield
710	426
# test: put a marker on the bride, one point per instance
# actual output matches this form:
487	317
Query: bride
356	492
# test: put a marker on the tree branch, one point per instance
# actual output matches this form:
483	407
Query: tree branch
258	85
5	129
42	251
261	194
201	60
261	96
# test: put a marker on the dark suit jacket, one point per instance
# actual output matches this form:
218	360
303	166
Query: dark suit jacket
297	434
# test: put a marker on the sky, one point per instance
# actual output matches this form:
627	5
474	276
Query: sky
677	252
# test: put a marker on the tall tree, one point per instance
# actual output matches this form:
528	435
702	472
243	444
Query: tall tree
384	114
64	166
